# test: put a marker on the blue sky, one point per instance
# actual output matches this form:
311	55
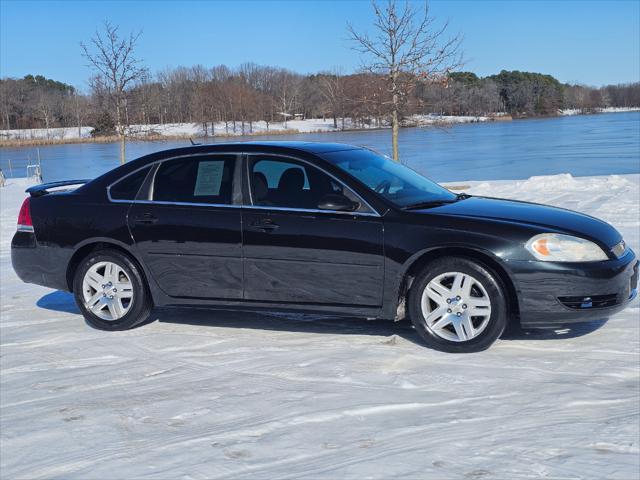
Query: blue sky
589	42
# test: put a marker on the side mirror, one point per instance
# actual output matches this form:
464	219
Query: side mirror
337	202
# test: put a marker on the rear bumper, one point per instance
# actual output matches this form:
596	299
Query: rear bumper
597	290
39	264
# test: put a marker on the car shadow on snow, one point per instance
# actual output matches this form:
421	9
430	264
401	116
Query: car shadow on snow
515	332
314	323
60	301
287	322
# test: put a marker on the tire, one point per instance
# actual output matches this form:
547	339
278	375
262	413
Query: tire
444	316
96	282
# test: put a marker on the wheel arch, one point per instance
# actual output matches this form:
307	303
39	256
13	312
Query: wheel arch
493	263
87	247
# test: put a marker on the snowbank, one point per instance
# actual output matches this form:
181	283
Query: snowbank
577	111
308	125
202	394
46	133
434	119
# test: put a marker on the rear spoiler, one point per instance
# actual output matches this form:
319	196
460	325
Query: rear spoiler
43	189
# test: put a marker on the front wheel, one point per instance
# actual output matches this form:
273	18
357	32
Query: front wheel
458	305
111	292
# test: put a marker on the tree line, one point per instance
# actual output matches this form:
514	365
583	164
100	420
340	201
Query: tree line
237	97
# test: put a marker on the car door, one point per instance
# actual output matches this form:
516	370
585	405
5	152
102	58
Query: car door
295	252
188	228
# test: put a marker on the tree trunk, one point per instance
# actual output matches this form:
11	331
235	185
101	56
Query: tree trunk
120	130
122	148
394	134
394	118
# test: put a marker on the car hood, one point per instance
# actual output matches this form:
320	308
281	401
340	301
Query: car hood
556	219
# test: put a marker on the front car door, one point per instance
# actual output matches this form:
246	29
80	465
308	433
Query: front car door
296	253
187	226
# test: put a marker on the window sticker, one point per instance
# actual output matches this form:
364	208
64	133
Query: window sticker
209	178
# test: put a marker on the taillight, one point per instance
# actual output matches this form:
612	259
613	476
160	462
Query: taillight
25	224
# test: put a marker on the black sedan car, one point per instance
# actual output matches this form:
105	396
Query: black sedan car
316	227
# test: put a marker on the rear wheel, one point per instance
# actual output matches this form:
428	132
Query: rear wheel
111	291
458	305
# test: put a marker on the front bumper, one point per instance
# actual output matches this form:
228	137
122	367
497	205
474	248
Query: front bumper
35	263
554	294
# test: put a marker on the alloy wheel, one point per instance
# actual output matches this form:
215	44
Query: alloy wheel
456	306
107	291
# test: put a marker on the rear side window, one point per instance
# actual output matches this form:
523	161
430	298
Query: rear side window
195	180
128	187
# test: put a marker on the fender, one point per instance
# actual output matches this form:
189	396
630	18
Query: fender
413	264
81	249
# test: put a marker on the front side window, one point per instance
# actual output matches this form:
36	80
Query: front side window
206	179
284	183
399	184
128	187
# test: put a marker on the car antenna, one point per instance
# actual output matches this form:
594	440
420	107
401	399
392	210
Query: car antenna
193	143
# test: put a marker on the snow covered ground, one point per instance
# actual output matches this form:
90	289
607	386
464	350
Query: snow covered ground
200	394
577	111
46	133
309	125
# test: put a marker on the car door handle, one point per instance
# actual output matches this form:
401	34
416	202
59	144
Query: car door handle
146	219
264	226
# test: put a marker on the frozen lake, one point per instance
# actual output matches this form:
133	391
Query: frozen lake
579	145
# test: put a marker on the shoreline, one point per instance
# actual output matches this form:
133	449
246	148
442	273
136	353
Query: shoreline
433	122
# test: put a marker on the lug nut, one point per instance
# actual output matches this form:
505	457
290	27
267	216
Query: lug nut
458	297
459	314
111	297
115	290
103	285
464	306
448	310
448	300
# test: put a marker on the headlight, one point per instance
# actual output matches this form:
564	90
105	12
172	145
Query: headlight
554	247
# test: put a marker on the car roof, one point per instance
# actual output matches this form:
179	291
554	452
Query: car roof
311	147
265	146
222	147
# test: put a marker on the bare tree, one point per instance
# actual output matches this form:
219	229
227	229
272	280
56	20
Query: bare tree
332	89
407	46
287	88
112	57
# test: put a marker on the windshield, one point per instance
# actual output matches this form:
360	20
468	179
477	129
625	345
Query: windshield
395	182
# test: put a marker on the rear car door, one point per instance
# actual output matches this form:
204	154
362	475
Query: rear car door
297	253
187	228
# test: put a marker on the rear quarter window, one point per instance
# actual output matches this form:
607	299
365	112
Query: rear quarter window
128	187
